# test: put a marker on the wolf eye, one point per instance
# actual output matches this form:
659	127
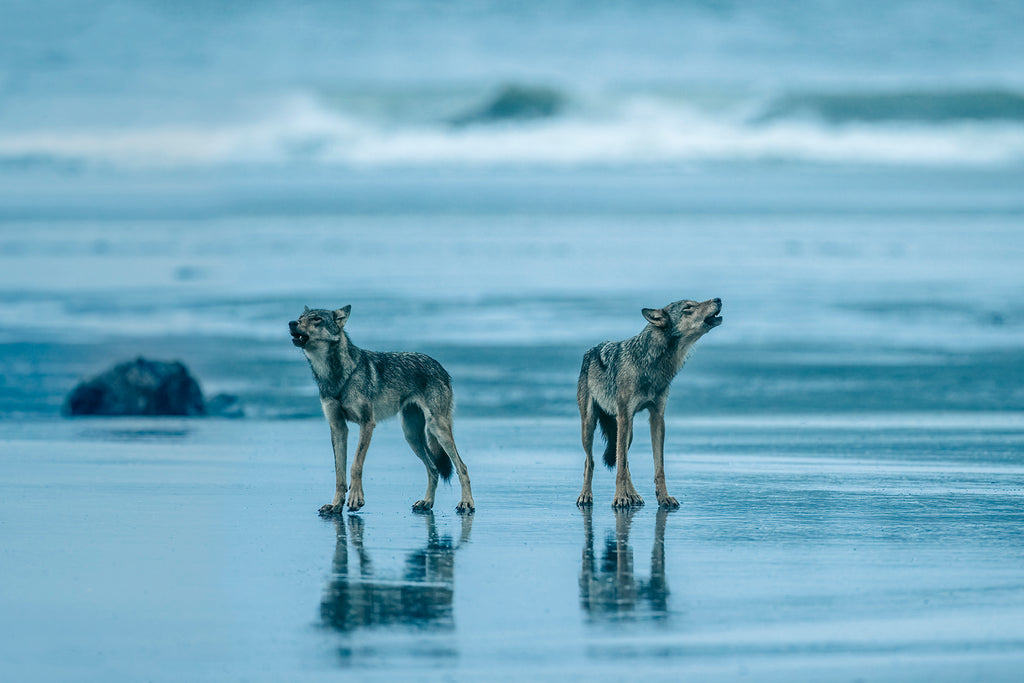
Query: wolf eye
316	320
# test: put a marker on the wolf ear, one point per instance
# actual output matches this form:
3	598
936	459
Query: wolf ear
656	316
341	315
306	309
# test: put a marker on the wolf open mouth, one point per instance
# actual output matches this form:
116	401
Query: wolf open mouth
299	339
713	320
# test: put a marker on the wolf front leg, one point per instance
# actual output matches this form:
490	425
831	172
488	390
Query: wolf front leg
339	443
658	443
355	494
625	493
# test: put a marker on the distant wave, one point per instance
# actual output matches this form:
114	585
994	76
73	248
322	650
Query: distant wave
929	107
542	126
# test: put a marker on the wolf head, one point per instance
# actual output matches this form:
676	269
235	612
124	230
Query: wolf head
688	320
318	326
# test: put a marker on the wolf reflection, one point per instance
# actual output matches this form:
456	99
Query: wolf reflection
609	589
420	596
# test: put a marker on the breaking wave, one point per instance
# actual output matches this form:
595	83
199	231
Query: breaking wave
525	125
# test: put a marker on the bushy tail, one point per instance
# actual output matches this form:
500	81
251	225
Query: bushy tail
414	423
609	431
441	460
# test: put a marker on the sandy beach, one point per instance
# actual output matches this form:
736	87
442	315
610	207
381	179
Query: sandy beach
845	447
829	548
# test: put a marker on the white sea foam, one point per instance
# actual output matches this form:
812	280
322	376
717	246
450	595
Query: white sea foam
634	129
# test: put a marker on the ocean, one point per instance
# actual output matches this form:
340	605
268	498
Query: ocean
148	84
858	299
503	186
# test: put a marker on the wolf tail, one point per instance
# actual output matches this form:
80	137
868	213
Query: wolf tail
441	459
609	431
424	443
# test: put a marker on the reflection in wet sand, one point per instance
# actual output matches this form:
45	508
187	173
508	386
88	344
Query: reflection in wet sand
609	590
418	596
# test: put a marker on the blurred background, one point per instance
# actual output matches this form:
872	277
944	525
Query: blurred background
504	185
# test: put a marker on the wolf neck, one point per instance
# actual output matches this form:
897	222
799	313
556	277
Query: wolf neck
665	353
333	364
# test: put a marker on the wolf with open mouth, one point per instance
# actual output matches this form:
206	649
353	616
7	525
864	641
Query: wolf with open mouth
364	387
619	379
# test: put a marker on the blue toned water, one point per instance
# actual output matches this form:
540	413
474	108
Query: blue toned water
835	548
503	186
896	306
158	84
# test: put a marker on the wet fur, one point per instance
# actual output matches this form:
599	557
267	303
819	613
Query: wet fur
364	387
619	379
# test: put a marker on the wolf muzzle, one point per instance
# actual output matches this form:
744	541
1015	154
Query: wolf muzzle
298	338
714	320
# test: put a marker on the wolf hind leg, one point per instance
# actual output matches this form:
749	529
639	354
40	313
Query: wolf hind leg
414	426
588	423
440	428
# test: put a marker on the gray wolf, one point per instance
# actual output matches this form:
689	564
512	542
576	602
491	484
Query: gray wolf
365	387
619	379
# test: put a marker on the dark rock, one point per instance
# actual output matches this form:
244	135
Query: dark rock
138	387
516	102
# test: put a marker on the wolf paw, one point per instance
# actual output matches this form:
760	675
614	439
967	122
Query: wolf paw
465	506
586	498
669	503
355	501
627	501
422	505
331	509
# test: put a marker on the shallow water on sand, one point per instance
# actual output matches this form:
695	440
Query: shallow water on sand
844	290
823	547
846	446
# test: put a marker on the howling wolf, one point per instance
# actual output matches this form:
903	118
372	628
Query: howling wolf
619	379
366	386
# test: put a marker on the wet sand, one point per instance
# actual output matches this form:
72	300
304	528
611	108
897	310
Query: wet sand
818	548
